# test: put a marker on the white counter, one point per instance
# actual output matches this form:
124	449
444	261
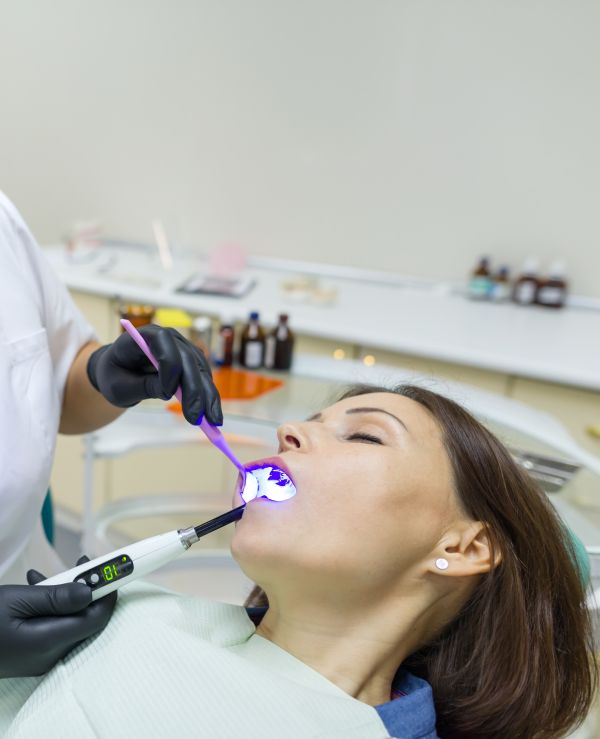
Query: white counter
561	346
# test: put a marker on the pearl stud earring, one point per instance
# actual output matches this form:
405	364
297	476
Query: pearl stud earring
441	563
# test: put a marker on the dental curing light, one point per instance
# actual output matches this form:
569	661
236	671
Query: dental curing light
111	571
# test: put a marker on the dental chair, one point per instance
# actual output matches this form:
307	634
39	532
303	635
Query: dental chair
48	517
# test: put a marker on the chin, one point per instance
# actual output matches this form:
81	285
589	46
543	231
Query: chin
249	546
255	553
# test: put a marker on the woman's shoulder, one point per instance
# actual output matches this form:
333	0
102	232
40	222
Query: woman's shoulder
148	621
198	617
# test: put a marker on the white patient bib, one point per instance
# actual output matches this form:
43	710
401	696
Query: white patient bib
169	665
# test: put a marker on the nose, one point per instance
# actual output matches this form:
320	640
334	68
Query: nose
292	437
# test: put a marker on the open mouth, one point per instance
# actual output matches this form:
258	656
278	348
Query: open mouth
268	478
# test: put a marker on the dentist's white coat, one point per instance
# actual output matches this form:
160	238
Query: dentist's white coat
41	332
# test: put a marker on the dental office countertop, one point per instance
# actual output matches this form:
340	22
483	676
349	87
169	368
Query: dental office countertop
396	314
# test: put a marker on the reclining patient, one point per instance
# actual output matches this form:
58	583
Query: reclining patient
418	585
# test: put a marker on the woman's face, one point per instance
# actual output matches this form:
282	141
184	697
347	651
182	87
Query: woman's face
374	497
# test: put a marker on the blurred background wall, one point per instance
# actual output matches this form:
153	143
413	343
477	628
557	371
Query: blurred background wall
404	135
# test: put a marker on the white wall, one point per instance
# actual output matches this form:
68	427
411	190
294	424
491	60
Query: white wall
409	135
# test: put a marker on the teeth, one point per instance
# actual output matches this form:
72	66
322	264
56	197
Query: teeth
271	482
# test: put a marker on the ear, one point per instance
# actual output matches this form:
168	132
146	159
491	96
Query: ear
467	549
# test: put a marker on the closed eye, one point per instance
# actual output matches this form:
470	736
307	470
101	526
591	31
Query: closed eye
365	437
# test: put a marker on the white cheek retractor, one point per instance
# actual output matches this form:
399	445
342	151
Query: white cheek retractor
268	481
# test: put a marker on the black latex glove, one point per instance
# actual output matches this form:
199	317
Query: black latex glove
124	375
40	625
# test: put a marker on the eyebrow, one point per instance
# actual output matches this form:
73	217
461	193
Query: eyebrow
318	416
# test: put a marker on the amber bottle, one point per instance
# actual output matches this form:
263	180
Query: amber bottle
526	285
280	346
252	346
552	292
224	349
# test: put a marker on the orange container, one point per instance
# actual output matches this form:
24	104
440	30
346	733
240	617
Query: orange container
235	384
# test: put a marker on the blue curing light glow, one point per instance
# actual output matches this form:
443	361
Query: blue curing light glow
268	481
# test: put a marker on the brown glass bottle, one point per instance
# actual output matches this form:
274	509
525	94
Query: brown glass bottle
252	346
280	346
552	292
224	350
526	285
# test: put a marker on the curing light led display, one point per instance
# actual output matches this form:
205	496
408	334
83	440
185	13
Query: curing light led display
107	572
268	481
116	568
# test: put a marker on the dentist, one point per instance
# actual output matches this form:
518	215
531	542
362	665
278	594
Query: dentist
55	377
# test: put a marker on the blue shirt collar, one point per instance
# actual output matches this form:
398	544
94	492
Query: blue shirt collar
412	715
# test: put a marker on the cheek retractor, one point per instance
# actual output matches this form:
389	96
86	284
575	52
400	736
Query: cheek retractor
270	482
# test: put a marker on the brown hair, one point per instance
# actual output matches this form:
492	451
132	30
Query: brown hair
517	661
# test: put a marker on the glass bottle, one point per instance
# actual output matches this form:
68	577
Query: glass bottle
526	285
552	291
225	339
280	346
501	286
201	334
252	346
480	282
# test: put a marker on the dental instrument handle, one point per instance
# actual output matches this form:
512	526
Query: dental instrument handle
132	561
216	523
214	435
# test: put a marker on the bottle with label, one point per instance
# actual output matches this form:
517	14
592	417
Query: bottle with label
501	286
280	346
552	291
224	348
480	282
526	285
252	346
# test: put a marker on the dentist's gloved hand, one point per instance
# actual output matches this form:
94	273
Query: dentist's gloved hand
40	625
124	375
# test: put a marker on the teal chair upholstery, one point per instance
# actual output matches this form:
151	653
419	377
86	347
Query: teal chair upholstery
48	517
582	558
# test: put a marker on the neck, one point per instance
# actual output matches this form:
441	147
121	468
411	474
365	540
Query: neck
358	647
